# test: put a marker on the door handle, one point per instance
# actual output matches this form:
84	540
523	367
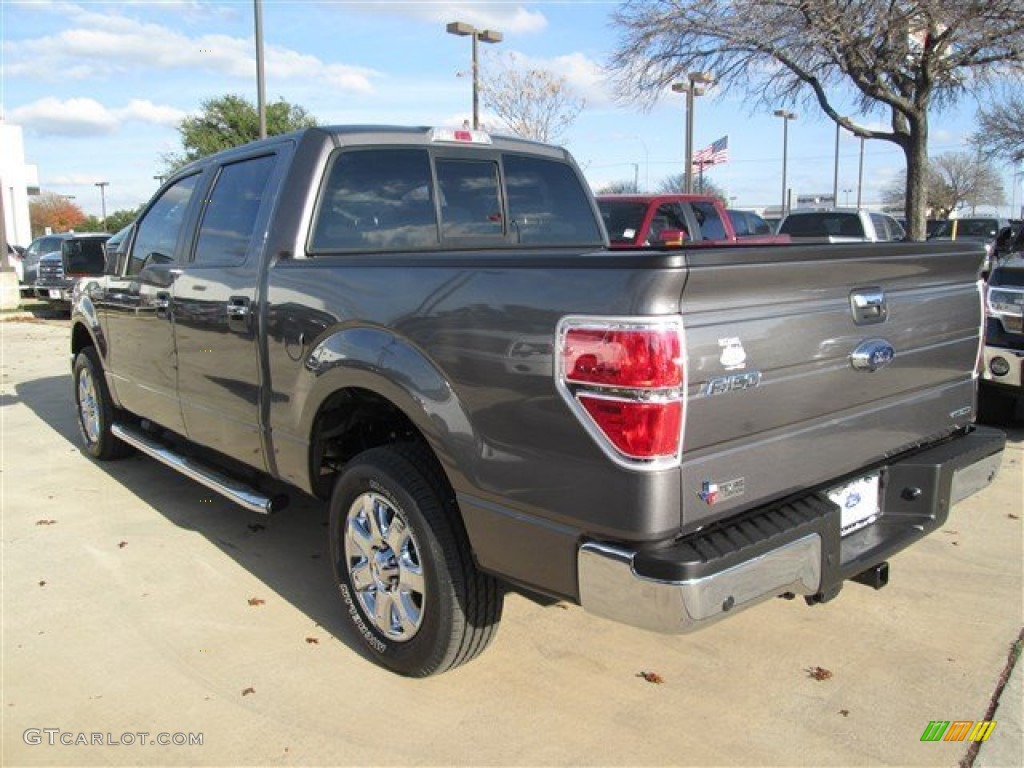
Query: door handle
238	313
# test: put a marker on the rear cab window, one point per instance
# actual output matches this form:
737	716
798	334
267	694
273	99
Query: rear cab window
393	199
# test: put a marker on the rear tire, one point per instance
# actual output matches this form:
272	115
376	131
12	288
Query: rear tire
94	409
403	566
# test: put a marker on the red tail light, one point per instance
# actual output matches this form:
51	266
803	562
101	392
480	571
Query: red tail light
624	379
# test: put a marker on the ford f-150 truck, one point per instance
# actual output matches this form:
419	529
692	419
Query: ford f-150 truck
672	220
1002	374
425	329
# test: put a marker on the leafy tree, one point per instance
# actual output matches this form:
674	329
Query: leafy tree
954	180
118	220
91	224
901	59
531	103
54	211
1001	129
230	121
618	188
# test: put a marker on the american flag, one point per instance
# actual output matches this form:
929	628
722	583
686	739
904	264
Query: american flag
715	153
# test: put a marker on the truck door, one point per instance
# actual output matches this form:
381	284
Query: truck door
142	365
215	312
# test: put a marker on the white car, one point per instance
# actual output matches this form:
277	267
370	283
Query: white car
841	225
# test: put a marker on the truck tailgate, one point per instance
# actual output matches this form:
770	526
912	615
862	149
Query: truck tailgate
777	402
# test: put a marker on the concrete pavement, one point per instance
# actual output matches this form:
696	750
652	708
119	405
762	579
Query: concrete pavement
135	601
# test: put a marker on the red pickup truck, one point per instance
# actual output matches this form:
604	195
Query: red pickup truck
635	221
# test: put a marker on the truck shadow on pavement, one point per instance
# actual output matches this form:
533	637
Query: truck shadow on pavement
288	552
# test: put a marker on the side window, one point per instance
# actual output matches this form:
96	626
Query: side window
157	232
377	199
229	217
547	204
711	227
740	223
668	216
470	205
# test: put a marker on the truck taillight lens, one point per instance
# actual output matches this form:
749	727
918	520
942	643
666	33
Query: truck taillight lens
624	379
644	358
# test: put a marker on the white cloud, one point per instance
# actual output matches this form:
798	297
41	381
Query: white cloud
73	117
84	117
504	17
108	44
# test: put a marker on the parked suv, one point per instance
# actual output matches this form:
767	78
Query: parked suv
985	230
77	255
841	225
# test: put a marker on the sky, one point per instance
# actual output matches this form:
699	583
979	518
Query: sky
99	88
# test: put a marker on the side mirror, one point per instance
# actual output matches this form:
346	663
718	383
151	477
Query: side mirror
1003	240
672	238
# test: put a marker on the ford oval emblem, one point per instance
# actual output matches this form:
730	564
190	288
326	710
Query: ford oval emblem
872	354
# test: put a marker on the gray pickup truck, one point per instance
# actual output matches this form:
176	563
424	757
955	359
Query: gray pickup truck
425	329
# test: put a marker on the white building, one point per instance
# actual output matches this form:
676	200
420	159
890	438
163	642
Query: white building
18	180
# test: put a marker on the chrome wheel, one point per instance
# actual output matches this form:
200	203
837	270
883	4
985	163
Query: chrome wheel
383	562
88	407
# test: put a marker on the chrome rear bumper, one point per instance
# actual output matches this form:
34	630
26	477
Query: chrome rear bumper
610	587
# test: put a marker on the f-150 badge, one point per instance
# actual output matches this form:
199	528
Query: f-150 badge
733	355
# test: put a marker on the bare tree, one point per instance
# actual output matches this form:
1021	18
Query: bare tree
618	188
901	58
676	184
954	180
1001	129
531	103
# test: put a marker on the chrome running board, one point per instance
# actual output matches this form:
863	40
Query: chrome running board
235	490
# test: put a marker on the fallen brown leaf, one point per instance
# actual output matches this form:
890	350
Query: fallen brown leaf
257	601
122	544
1012	516
651	677
819	673
46	522
313	641
844	712
42	583
248	690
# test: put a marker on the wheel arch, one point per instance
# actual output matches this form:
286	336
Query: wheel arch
370	387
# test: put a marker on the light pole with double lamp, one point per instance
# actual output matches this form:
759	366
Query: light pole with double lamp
786	117
462	29
692	88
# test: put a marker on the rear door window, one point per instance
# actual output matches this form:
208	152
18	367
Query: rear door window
231	210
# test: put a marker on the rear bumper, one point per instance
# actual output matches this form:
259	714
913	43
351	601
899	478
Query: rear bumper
790	547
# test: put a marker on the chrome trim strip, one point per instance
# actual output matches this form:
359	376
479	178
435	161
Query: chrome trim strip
609	586
236	491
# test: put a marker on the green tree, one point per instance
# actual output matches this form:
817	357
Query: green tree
900	59
90	224
118	220
229	121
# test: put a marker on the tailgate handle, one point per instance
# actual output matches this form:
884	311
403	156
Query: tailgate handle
868	306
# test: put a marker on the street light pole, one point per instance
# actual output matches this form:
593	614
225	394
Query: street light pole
835	172
482	35
786	117
692	90
860	173
261	99
103	200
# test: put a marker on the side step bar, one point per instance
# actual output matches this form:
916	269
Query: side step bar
235	490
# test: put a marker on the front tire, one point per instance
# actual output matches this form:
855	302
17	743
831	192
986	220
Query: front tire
95	409
403	566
